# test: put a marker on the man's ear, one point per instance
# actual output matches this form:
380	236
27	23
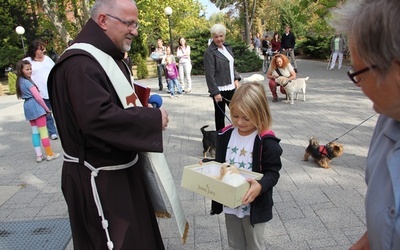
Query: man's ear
102	21
397	71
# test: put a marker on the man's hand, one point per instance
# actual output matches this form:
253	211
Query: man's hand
361	244
164	118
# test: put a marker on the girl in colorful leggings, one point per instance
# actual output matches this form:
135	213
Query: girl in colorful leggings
35	111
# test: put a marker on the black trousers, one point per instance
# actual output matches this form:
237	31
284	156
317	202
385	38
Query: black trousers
219	108
160	71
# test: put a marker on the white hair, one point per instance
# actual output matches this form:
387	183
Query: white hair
217	29
101	5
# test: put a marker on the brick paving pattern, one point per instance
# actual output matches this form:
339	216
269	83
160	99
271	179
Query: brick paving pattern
315	208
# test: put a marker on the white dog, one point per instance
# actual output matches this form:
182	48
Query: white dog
254	78
293	87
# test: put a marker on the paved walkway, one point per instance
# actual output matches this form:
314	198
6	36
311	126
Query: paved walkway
315	208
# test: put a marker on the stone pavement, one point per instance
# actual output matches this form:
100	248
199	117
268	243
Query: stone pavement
315	208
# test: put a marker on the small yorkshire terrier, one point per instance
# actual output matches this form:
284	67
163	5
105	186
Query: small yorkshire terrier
323	154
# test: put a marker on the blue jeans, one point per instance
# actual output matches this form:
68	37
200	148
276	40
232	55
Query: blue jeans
172	84
50	120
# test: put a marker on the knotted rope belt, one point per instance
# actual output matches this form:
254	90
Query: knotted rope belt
93	175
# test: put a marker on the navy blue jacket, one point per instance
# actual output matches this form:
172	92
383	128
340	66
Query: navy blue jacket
266	160
288	41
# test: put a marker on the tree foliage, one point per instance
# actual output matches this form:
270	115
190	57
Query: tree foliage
12	83
58	21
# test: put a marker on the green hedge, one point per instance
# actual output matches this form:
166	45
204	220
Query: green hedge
245	60
316	47
12	80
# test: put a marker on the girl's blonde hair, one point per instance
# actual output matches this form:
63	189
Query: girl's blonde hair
251	100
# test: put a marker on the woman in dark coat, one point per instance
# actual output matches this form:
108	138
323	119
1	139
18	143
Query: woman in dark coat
221	77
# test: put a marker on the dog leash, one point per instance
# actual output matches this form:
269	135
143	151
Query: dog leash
228	101
354	127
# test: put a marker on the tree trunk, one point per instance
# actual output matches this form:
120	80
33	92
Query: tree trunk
248	19
51	13
246	23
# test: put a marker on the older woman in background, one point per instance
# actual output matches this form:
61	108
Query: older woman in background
221	77
376	70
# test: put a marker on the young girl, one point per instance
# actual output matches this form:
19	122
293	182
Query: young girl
171	73
168	53
35	110
249	143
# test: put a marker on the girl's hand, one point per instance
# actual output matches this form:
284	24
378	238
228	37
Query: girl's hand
253	192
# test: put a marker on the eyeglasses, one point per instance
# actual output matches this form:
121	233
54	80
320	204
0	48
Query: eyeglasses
131	25
352	73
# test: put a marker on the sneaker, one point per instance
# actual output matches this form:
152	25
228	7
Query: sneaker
54	136
188	90
52	157
39	159
275	99
171	96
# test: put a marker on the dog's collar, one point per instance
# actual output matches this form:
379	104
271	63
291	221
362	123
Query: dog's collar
284	85
327	151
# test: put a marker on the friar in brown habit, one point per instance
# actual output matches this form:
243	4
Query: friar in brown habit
102	178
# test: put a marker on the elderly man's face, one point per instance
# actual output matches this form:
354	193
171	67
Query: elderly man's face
384	91
117	29
219	39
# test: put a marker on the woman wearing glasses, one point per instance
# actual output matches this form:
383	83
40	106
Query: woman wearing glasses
280	66
41	67
376	70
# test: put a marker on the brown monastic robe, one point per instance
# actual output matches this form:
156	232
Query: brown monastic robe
94	127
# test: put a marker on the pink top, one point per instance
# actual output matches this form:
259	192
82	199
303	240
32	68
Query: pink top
171	71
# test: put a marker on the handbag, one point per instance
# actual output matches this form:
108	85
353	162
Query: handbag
155	56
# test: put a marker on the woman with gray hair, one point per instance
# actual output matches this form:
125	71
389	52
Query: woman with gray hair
376	70
221	77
